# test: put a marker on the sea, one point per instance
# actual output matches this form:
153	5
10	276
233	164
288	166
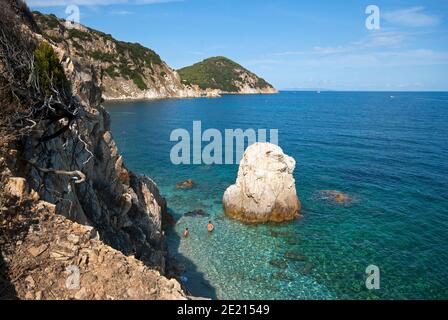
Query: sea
386	151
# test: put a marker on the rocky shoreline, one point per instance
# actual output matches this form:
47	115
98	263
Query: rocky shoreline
211	94
67	201
148	97
128	71
65	260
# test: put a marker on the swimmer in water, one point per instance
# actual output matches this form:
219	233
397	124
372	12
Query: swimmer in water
186	233
210	227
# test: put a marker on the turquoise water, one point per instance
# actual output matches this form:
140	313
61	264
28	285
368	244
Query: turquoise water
387	151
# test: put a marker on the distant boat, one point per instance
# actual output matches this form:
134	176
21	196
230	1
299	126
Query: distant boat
392	97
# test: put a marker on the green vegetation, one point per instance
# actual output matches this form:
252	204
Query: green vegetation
126	72
81	35
49	70
105	36
218	73
78	46
129	74
50	21
56	39
130	60
102	56
138	54
111	72
137	78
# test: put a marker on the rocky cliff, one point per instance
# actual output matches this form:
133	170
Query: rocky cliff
47	256
225	76
127	71
66	198
124	70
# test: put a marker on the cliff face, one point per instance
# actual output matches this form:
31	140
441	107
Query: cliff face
59	158
127	71
52	257
225	76
124	70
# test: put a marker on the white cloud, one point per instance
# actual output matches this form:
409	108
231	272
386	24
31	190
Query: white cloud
377	39
290	53
380	48
366	58
63	3
120	13
315	51
384	39
331	50
411	17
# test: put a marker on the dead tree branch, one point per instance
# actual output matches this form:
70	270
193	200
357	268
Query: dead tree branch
77	176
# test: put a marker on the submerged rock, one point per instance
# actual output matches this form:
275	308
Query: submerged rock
281	234
265	187
336	196
282	276
187	184
279	263
196	213
294	256
306	269
292	241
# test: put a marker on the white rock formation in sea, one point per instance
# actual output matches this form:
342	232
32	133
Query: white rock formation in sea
265	188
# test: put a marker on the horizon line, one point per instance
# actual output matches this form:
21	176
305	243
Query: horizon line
357	90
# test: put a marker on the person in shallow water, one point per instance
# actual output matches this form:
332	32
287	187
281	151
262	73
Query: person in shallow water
210	227
186	233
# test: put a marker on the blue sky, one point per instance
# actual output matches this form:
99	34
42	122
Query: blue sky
291	43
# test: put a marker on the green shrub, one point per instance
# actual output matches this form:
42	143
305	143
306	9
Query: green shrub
77	46
55	39
102	56
111	72
52	21
134	75
47	21
214	73
49	70
125	71
137	78
82	35
138	53
105	36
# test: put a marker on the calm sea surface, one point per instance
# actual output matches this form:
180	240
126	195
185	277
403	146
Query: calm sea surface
387	151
